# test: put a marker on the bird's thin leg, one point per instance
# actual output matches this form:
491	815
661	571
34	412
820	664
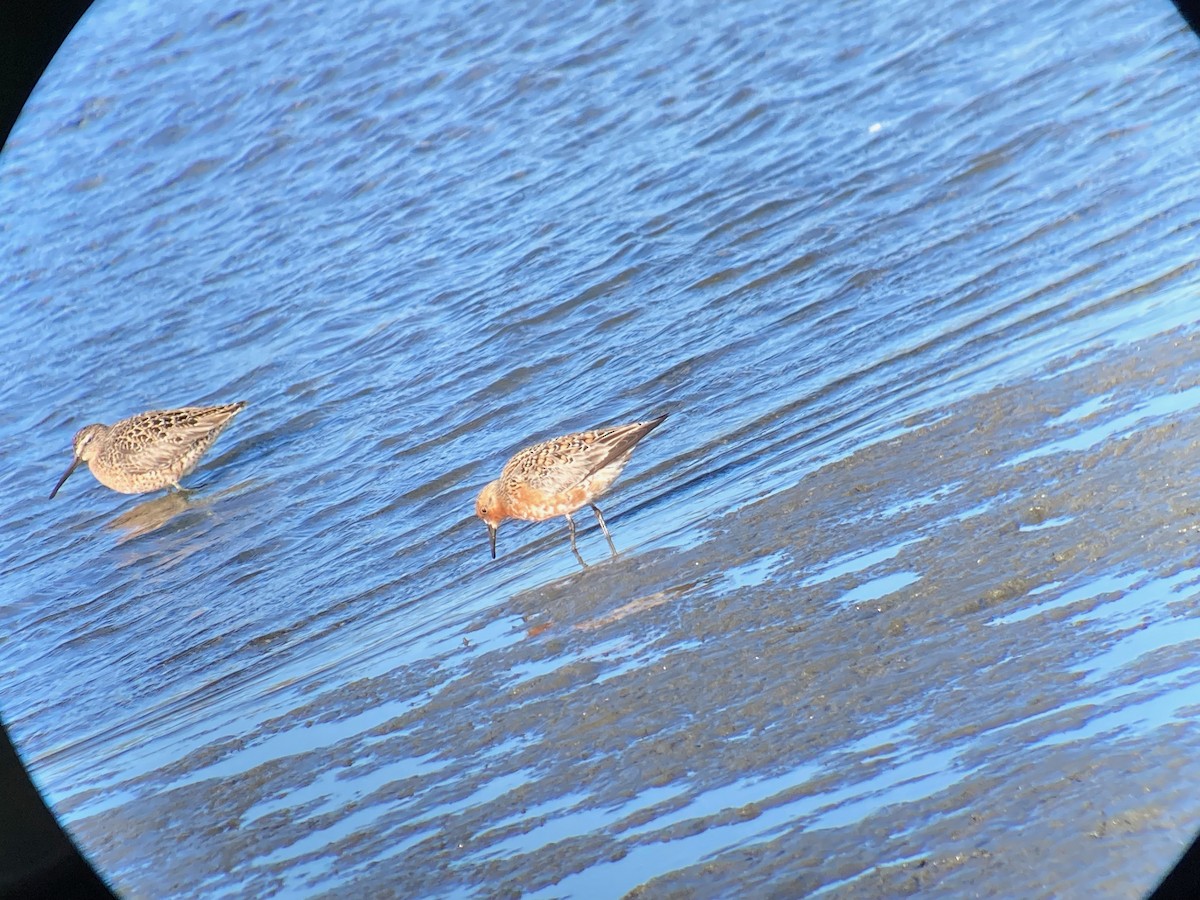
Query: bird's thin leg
574	549
604	528
179	490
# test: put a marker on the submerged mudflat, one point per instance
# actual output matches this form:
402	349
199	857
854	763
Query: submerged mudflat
963	658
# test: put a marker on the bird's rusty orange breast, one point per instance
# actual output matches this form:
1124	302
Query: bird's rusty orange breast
532	505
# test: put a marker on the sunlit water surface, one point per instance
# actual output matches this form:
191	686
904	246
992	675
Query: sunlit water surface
908	594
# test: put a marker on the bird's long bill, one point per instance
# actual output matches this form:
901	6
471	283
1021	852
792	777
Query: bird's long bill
492	539
66	475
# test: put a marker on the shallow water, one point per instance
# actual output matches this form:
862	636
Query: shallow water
910	564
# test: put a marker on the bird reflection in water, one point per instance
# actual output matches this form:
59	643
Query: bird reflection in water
151	515
158	512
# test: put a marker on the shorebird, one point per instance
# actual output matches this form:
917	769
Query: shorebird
151	450
559	476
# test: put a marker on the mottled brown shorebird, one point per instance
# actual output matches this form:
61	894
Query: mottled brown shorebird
151	450
559	476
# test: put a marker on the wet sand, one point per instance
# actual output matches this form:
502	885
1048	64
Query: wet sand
959	661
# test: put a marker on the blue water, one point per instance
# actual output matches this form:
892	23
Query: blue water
415	237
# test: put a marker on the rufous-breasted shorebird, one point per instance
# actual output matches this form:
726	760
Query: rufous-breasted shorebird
559	476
